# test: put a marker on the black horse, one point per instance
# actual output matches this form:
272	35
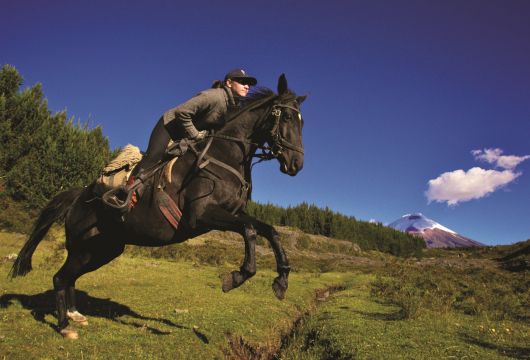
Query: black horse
211	186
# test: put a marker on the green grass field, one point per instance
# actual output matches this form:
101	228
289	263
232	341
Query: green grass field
172	307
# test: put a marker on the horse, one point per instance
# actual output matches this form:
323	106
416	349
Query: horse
210	185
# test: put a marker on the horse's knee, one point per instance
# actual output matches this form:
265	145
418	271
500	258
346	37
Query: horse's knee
250	233
58	282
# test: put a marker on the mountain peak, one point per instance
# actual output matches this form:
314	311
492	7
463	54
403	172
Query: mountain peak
434	234
419	222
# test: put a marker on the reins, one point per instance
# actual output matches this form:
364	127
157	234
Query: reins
278	141
267	152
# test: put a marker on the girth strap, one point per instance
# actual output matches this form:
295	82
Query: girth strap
204	160
211	160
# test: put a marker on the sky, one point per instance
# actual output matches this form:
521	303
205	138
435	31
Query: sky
413	106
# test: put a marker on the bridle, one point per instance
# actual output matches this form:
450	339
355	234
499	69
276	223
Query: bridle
277	145
278	141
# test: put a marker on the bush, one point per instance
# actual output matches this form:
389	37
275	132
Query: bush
303	242
15	216
479	292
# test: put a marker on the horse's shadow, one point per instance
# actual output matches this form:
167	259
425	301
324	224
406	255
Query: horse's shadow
43	304
392	316
522	352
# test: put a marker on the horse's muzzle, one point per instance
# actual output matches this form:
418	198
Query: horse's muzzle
293	166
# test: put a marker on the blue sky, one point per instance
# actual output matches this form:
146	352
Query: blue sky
405	97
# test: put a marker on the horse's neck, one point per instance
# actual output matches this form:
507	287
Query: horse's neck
238	154
244	127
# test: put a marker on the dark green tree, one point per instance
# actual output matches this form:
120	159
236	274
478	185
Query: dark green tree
42	153
314	220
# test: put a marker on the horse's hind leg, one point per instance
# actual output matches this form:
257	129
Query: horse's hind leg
62	281
71	310
92	254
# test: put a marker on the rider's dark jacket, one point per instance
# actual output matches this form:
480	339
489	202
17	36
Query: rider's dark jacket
205	110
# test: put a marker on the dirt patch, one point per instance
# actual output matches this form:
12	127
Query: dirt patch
240	349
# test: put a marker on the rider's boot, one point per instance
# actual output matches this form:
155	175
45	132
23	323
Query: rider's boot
131	187
127	197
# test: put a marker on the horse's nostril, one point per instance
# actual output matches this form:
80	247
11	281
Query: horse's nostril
296	165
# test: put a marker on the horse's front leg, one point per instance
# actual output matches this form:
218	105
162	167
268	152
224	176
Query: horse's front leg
220	219
248	268
280	284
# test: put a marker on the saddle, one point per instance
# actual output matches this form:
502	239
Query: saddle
115	176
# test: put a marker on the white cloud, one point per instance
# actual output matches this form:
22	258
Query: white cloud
494	156
459	186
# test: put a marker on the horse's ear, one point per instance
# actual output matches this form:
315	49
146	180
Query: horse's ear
300	99
282	84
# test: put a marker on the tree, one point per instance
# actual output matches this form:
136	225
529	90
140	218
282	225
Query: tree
313	220
42	153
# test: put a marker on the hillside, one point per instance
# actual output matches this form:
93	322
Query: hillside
306	252
342	303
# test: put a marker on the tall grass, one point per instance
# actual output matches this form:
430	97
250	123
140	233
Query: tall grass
480	291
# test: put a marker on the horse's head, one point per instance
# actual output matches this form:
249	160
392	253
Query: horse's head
286	134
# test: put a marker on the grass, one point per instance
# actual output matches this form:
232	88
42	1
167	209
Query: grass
352	324
149	308
167	303
477	290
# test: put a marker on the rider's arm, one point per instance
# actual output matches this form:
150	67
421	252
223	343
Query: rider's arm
185	112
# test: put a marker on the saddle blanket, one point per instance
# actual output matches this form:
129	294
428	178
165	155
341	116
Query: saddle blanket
169	208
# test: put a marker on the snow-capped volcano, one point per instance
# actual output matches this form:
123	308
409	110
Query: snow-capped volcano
434	234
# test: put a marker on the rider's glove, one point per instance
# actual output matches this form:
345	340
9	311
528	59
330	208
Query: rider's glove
201	135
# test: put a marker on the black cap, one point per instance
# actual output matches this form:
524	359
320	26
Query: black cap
240	74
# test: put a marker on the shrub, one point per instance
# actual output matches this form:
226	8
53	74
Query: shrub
303	242
479	292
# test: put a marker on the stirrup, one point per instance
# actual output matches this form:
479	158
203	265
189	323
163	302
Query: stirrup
111	199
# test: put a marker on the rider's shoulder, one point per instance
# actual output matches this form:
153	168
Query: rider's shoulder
214	94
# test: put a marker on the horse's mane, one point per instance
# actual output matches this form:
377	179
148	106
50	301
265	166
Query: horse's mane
257	94
253	100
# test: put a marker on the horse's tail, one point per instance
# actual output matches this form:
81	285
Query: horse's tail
55	210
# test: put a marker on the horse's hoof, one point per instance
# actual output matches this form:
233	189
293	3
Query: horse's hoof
228	282
77	317
232	280
279	286
69	333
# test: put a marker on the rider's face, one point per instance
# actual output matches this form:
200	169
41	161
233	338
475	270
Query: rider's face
237	87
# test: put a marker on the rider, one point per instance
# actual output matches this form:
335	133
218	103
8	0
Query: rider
189	120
